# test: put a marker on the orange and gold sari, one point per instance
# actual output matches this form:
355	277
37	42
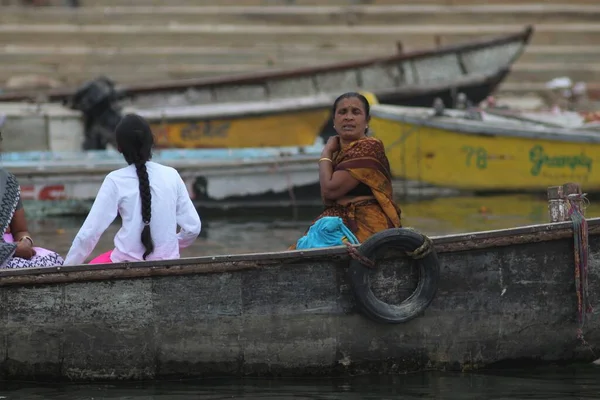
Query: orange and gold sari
366	161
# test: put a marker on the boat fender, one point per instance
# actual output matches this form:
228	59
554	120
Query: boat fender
417	246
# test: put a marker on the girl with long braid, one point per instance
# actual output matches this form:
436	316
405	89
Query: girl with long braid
151	199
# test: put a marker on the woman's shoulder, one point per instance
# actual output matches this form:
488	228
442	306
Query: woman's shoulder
5	173
154	167
373	141
370	144
7	176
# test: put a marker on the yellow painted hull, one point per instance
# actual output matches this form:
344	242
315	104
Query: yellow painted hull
485	162
291	128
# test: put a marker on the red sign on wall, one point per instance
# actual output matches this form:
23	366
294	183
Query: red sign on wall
50	192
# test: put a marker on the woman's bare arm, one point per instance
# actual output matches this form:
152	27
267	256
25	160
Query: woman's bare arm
18	225
334	185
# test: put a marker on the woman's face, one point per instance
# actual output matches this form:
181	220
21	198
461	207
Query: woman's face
350	120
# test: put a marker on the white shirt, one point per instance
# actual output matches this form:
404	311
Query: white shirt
119	193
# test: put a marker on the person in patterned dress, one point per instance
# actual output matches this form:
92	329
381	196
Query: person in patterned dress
16	245
354	173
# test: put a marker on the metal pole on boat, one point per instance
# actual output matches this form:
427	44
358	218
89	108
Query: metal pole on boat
558	203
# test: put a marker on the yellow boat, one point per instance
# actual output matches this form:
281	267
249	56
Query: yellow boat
483	151
277	123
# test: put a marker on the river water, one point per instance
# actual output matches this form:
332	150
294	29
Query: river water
548	383
260	232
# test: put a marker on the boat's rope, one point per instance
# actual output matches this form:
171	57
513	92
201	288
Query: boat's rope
581	250
423	250
353	252
417	254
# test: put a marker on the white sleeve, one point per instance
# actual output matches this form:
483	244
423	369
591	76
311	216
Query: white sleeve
103	213
187	216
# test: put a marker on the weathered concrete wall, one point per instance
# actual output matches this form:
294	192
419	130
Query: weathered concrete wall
491	306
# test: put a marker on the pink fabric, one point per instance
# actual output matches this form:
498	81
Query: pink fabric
41	252
103	258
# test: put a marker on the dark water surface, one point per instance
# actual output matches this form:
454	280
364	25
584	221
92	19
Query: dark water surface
258	232
580	382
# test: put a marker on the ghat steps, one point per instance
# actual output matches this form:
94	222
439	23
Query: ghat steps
147	40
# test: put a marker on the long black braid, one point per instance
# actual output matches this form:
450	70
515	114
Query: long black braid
135	142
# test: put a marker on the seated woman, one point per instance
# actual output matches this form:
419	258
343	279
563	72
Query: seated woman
354	173
151	199
16	245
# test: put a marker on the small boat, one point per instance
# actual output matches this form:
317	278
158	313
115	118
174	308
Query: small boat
66	183
277	123
457	302
412	79
483	151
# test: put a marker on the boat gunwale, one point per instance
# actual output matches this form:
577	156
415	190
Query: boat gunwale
262	76
462	242
87	167
483	128
267	108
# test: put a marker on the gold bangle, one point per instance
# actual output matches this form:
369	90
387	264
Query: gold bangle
325	159
28	238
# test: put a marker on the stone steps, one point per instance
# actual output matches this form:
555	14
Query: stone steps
413	36
265	55
144	40
413	14
106	3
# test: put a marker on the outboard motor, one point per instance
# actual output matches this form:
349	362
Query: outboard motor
97	100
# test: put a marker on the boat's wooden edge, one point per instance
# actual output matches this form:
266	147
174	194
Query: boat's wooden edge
133	89
274	107
231	263
47	168
474	127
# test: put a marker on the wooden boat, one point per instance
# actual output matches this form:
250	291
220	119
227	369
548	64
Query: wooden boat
481	151
410	79
50	126
67	182
478	300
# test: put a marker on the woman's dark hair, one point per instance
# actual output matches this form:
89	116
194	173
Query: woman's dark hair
135	142
352	95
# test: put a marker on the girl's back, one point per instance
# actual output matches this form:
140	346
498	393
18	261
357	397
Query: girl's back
171	206
151	199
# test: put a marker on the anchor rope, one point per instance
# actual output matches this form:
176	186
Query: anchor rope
576	204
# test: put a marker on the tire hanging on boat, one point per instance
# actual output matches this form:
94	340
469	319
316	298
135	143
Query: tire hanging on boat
417	246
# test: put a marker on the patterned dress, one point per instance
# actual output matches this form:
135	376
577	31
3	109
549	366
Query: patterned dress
10	195
366	161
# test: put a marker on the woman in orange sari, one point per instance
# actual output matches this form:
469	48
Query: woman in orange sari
354	172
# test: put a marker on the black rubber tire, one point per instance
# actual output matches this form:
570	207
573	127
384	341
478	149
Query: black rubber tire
418	301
